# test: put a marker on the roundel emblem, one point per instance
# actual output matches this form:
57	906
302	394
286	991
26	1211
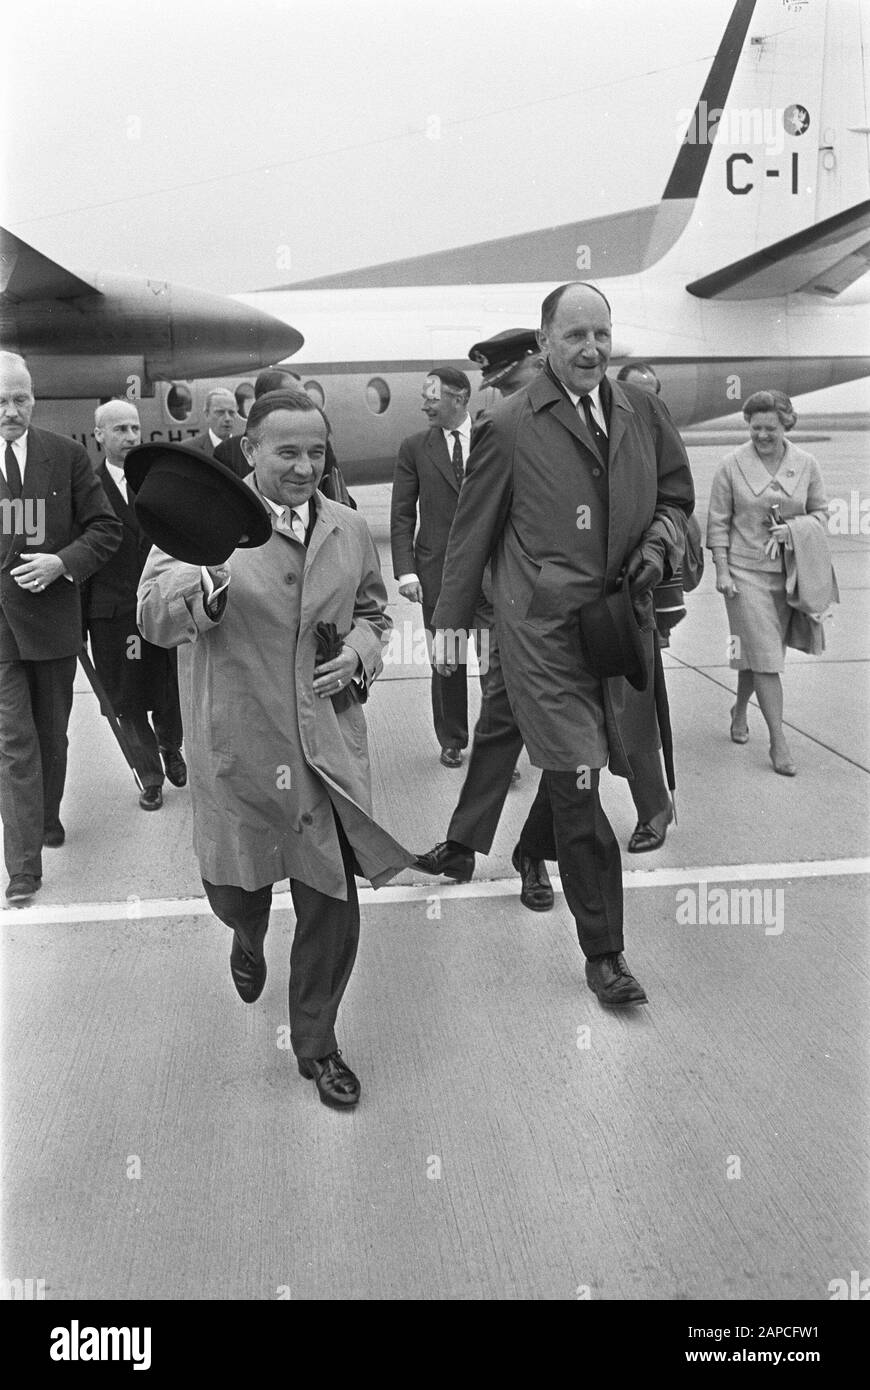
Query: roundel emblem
796	119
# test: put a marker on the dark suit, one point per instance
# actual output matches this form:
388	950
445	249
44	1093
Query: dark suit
229	453
203	443
41	636
425	487
137	676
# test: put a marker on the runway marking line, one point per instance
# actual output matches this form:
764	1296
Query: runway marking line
138	909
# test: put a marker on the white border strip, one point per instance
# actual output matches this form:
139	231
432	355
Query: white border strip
144	909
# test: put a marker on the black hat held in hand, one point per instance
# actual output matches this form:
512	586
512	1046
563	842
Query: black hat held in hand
191	506
613	641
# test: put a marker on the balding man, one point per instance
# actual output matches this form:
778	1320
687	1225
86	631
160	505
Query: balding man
74	532
138	677
571	484
220	415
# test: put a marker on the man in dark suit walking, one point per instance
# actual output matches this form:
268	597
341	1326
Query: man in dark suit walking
429	474
220	418
137	676
41	565
573	484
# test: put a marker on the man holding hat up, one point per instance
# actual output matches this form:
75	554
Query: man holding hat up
572	484
277	650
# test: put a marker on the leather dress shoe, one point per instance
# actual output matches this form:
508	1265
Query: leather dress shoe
610	978
448	858
249	976
54	837
451	757
537	891
151	799
23	886
336	1084
650	834
176	767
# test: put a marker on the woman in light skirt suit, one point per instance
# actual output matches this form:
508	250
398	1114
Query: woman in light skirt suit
755	490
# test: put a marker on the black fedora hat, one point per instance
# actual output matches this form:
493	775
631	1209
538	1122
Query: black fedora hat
191	506
612	639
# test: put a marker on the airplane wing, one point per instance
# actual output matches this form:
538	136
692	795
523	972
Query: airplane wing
27	274
821	260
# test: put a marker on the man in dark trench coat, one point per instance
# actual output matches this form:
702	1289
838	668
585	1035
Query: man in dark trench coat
572	482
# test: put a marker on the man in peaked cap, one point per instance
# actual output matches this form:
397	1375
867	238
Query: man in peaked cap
508	360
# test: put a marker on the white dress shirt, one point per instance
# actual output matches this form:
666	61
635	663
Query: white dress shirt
215	439
116	473
597	408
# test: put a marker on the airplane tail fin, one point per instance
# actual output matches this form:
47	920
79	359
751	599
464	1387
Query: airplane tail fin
780	169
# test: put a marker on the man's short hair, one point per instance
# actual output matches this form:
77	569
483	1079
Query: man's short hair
551	303
641	368
218	391
288	398
274	379
452	377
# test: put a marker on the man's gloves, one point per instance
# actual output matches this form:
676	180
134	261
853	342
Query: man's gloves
646	566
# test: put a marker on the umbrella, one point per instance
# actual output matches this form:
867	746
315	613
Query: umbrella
106	708
663	716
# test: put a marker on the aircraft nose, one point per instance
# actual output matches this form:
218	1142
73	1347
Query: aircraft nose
213	336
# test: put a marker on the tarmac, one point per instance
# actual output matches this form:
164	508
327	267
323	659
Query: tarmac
515	1141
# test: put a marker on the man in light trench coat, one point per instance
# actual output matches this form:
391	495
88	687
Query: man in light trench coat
279	775
571	482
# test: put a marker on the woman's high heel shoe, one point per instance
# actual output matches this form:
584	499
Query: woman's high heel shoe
738	735
785	768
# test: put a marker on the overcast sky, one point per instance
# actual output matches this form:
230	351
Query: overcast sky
239	144
193	140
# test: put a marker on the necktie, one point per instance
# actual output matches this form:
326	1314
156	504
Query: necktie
458	470
594	428
294	520
13	472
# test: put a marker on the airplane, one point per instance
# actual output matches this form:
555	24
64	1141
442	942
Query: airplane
750	272
97	335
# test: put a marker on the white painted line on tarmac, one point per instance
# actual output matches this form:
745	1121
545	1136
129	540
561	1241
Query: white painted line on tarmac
141	909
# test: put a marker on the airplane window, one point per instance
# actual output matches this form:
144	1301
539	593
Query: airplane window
244	394
316	392
377	395
179	401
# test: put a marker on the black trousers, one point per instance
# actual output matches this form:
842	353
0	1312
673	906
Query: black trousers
567	823
35	703
497	744
322	955
450	693
139	677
